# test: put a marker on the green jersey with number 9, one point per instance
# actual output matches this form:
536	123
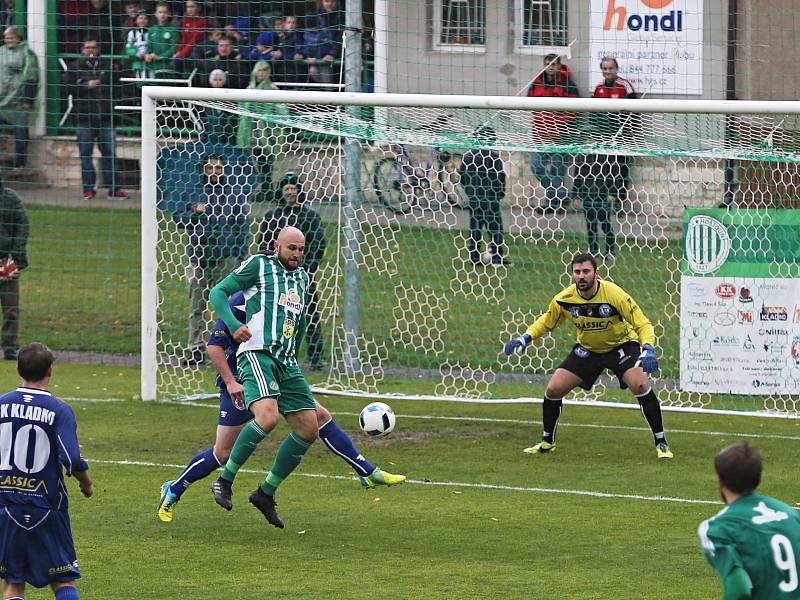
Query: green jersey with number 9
760	535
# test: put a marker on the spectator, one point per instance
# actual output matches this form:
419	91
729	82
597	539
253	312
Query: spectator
292	211
227	59
192	32
484	180
19	83
287	42
616	124
70	18
322	41
550	168
217	224
7	14
266	42
596	182
219	125
89	80
260	137
207	48
127	22
98	24
241	24
136	47
14	230
162	41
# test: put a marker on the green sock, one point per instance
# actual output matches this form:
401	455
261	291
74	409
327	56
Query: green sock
289	455
249	438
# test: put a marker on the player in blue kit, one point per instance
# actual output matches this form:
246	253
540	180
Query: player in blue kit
35	537
233	416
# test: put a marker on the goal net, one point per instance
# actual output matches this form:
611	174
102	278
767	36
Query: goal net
447	223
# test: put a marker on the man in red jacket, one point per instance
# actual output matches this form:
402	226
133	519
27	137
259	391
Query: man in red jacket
548	127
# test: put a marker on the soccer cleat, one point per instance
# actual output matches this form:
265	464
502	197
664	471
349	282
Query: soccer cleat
540	448
381	477
89	194
223	493
167	502
266	504
119	194
663	451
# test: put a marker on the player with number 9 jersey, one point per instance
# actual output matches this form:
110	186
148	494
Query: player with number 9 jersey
754	542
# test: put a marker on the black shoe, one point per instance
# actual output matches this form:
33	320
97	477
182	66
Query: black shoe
266	504
316	366
10	355
223	493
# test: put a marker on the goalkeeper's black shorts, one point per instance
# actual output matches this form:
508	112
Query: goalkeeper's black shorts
589	365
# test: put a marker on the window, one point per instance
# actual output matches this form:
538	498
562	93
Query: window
540	26
459	25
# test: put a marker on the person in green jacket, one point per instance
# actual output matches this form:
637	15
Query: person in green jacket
19	84
162	42
261	138
291	210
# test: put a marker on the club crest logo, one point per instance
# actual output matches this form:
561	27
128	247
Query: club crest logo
581	352
707	244
575	311
288	328
604	310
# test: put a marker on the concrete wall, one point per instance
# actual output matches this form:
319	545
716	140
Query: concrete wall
767	52
414	67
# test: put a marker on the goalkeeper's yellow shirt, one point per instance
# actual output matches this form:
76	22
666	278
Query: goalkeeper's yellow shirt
605	321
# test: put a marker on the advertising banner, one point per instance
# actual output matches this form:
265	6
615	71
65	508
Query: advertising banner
657	43
740	302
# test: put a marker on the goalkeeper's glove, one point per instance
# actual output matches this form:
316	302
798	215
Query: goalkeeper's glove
521	342
648	360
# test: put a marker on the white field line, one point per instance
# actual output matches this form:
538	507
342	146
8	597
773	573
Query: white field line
764	436
458	484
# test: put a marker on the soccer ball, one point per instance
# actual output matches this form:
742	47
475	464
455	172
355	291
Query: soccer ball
377	419
486	257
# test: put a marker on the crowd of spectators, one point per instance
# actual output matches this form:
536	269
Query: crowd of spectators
151	39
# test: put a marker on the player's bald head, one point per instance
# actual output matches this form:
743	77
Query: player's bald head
289	247
290	235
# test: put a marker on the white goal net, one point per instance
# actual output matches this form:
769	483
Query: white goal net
446	224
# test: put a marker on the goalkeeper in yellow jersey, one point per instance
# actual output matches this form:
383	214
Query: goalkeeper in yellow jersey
613	334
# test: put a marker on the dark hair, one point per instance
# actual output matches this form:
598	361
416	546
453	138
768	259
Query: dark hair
34	361
552	58
165	5
611	58
739	468
582	258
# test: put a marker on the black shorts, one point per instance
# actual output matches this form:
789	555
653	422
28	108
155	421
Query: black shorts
589	365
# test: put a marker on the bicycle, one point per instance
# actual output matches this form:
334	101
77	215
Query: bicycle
402	186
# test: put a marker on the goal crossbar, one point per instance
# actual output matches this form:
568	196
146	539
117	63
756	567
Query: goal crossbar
644	105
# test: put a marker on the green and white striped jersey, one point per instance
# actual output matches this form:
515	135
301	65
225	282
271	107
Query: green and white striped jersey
275	301
761	535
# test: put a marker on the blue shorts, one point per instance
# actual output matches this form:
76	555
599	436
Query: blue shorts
229	415
36	546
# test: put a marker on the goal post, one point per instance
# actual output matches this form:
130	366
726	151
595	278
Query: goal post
411	257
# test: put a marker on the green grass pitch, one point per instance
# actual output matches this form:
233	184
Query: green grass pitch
599	518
